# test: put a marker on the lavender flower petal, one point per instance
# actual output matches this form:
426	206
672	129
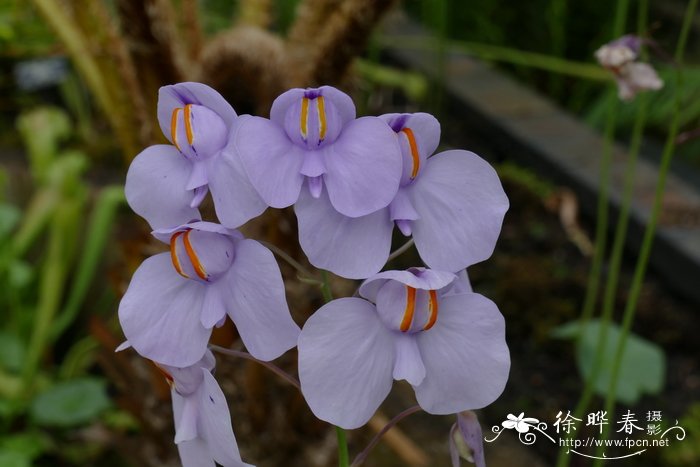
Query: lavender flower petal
461	205
409	364
215	423
160	314
273	163
470	431
255	300
354	248
364	167
177	95
155	187
465	356
346	357
461	285
418	278
342	102
198	176
419	136
194	452
235	199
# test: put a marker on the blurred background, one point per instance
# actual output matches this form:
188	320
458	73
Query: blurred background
515	82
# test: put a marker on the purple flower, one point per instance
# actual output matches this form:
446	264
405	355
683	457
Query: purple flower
174	299
636	77
313	137
450	347
165	184
619	52
452	203
203	431
466	440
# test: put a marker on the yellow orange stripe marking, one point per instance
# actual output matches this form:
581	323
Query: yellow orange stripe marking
188	124
432	311
321	118
410	309
414	151
173	127
304	116
198	268
173	255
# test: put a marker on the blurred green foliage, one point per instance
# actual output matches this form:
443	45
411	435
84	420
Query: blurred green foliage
643	368
547	43
687	452
49	255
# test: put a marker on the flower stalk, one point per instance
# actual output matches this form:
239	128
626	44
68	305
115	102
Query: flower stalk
650	231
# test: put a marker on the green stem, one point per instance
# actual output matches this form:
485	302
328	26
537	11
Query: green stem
602	214
50	290
600	245
343	456
38	214
649	233
109	200
326	287
557	29
413	84
507	55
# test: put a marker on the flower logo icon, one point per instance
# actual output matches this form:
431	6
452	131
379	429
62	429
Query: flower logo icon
521	423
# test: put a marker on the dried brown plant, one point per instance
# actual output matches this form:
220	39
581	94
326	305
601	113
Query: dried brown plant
125	59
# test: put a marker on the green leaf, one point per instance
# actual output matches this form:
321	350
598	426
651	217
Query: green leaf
110	199
79	358
9	217
14	459
70	403
643	365
29	444
11	352
42	130
20	274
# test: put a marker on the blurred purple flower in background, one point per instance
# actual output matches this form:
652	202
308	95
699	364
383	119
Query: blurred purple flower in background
165	184
452	203
174	299
619	52
313	138
203	431
450	347
620	57
635	78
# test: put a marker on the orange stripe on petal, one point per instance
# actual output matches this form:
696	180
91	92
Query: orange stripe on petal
321	118
410	309
414	151
188	124
173	255
303	123
198	268
432	310
173	127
